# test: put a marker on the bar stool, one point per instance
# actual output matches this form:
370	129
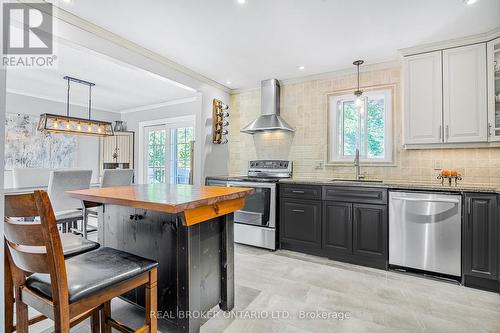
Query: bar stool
68	211
110	178
57	288
72	245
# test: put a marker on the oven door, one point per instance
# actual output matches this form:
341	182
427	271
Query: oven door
260	207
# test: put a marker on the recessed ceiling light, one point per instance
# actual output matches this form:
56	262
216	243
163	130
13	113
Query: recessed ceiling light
302	68
228	82
242	1
469	2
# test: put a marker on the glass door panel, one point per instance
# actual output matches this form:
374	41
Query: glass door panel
494	89
181	141
169	153
155	154
496	77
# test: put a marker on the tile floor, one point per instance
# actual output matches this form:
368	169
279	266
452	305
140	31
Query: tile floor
283	283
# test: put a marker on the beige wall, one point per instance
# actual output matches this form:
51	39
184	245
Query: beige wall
304	105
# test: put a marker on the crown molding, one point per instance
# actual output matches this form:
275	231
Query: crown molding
329	75
159	105
53	99
451	43
96	30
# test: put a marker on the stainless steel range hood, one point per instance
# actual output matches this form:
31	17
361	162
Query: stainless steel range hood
270	119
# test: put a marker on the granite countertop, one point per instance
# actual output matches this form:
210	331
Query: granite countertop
391	184
395	185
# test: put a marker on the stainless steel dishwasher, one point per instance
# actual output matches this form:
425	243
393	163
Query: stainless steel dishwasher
425	231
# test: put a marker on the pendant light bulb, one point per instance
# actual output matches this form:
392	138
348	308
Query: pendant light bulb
358	102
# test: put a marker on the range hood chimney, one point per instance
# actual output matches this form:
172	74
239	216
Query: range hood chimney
270	119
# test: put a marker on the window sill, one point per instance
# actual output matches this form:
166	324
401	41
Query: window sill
362	164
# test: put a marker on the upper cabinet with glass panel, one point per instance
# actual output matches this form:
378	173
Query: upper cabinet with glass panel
493	55
363	124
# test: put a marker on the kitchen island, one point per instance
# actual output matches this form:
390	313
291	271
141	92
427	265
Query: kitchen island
187	229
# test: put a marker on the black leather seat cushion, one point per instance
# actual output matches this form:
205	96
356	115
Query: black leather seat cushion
93	271
74	244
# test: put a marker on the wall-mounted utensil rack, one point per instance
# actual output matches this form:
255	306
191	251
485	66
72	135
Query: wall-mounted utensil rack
220	123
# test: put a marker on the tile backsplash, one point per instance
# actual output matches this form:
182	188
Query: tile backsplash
304	105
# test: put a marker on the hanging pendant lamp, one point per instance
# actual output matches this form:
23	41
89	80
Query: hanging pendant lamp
358	92
72	125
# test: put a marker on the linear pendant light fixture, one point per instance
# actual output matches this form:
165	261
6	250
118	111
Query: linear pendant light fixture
358	92
72	125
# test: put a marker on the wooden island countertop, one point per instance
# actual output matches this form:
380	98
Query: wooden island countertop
197	203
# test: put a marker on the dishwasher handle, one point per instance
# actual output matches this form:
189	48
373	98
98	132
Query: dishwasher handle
454	201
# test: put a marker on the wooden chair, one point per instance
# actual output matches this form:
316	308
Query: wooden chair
68	291
72	245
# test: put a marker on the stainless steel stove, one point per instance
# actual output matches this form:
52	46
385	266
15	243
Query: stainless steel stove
255	224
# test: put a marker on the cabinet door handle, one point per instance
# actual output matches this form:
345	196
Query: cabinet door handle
298	210
298	192
440	132
447	132
469	218
489	129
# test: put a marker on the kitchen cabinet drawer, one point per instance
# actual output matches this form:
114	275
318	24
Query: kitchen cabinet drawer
353	194
300	225
300	191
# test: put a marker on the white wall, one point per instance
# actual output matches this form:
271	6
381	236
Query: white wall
214	159
88	146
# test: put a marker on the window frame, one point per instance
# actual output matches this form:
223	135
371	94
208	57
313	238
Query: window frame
334	155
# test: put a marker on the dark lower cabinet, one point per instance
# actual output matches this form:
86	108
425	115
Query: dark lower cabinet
300	225
370	230
356	233
342	223
337	227
480	240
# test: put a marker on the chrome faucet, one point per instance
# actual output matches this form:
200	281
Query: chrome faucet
356	166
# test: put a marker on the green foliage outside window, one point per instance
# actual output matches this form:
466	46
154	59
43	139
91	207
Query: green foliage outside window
352	127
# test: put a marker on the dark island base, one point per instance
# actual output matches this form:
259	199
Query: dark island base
196	263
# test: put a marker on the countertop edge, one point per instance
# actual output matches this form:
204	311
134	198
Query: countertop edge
158	206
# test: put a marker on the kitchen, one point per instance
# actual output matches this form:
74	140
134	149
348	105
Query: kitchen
362	182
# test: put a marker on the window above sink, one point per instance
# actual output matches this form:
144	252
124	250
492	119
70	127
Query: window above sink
365	125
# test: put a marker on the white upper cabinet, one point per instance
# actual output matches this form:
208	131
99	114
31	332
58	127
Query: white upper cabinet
493	58
423	98
464	94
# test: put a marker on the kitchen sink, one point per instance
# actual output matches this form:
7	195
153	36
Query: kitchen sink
358	180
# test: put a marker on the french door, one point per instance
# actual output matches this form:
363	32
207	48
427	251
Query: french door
168	153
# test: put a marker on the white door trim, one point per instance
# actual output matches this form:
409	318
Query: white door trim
158	122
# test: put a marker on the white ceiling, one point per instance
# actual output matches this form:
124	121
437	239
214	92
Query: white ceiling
246	43
119	87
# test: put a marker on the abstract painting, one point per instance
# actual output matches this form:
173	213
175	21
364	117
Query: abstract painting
26	147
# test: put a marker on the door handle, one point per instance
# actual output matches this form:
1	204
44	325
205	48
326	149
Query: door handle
298	192
298	210
440	132
427	200
447	132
